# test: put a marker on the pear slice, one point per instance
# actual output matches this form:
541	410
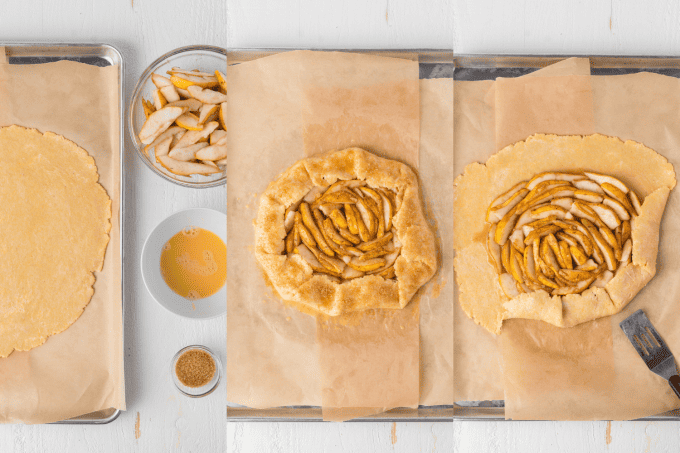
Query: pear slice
352	224
578	255
337	218
564	202
368	265
149	108
505	227
194	72
218	137
212	152
289	221
549	211
169	93
332	264
333	235
507	195
160	81
170	132
542	177
589	266
349	273
583	211
616	193
496	213
587	184
606	215
548	257
375	243
187	153
555	247
582	238
186	168
517	240
158	122
626	251
578	288
163	148
222	116
192	104
191	137
587	195
189	121
607	251
222	81
159	100
604	278
635	202
206	96
309	258
529	263
308	221
207	113
566	255
541	232
184	81
508	285
545	281
601	179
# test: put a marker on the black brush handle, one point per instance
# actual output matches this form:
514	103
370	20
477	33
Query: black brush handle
674	381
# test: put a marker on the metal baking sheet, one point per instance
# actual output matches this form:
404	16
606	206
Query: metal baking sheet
489	67
97	55
433	64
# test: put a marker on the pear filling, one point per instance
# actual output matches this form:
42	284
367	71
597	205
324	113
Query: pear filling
561	232
345	230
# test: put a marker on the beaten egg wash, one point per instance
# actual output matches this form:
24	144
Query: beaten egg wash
194	263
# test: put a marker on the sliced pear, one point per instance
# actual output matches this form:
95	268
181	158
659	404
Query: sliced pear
625	231
170	94
194	72
222	81
589	266
549	211
508	285
566	255
548	257
505	256
333	235
626	251
149	108
546	281
611	240
607	252
206	96
158	122
589	196
604	278
170	132
191	137
564	202
496	213
540	222
212	152
184	81
583	239
192	104
541	232
207	113
517	240
289	220
159	100
515	268
529	263
578	255
505	227
352	224
507	195
160	81
578	288
635	202
187	153
376	243
606	215
583	211
332	264
368	218
547	176
186	168
222	116
163	148
308	221
218	137
368	265
616	193
189	121
305	236
309	258
338	219
587	184
349	273
601	179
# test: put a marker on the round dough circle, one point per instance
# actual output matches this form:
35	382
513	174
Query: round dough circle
639	167
54	226
294	279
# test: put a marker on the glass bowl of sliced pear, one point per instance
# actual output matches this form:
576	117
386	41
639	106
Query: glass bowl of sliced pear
177	116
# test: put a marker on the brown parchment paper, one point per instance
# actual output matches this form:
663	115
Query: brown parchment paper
476	361
273	354
591	371
369	361
79	370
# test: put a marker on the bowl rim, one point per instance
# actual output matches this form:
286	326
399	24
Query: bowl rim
218	369
141	81
145	250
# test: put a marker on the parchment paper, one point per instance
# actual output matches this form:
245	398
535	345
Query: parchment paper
591	371
79	370
273	357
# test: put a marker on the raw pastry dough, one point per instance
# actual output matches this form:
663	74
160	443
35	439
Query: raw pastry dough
295	280
641	168
54	226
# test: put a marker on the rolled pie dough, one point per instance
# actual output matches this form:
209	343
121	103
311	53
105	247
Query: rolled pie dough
642	169
294	279
54	225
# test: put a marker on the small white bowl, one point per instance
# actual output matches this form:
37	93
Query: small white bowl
208	307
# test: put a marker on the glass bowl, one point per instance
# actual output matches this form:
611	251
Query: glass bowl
196	392
203	58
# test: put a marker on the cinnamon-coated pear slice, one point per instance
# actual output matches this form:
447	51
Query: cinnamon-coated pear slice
368	265
508	285
555	176
338	219
333	235
352	224
305	236
578	254
375	243
289	220
496	213
308	221
635	202
566	255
